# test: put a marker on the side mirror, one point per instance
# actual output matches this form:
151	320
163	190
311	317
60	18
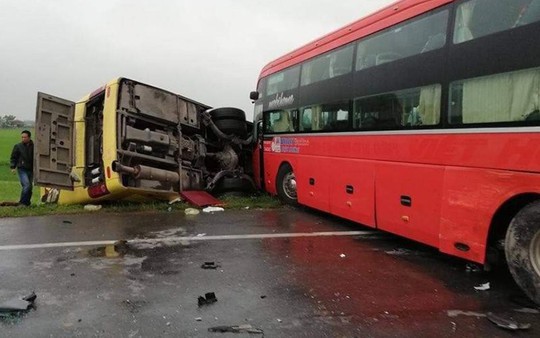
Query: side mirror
254	96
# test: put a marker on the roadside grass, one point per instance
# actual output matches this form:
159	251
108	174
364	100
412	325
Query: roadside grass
10	190
8	138
258	201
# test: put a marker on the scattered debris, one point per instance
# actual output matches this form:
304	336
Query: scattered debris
191	212
176	200
455	313
473	267
483	287
246	208
72	275
342	256
246	328
199	319
210	266
263	296
209	298
213	209
399	252
67	222
508	324
17	306
92	207
279	320
201	235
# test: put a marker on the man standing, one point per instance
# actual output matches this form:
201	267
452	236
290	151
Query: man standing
22	160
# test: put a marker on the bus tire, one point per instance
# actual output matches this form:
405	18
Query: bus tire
228	114
522	249
233	127
236	184
286	185
230	121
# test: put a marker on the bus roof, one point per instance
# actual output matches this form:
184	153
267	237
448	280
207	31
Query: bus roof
384	18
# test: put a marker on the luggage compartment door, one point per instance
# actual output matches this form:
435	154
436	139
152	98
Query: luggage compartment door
54	142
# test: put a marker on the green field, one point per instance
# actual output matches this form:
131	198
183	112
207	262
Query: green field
10	190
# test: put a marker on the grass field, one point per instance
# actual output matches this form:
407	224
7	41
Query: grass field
10	190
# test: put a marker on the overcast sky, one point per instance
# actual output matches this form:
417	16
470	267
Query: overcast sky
209	50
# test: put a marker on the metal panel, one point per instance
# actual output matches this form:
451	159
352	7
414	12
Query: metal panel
54	142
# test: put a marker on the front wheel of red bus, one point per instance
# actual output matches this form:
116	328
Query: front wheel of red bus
286	185
522	247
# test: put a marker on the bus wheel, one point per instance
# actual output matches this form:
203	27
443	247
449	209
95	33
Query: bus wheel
522	248
286	185
230	120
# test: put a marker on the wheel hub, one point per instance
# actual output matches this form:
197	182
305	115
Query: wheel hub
289	185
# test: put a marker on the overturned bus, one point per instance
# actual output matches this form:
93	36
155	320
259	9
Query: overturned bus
129	140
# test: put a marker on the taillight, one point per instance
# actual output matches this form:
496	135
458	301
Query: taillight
98	190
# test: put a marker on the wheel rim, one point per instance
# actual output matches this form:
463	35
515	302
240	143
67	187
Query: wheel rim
535	252
289	185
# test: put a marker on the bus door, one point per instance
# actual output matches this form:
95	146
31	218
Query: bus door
258	160
54	142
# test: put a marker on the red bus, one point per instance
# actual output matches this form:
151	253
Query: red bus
422	120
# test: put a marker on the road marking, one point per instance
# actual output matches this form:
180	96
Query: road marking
185	238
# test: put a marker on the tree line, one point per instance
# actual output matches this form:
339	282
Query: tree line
11	121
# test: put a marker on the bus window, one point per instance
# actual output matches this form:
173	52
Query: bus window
306	119
283	81
326	117
281	121
414	37
507	97
396	110
328	66
477	18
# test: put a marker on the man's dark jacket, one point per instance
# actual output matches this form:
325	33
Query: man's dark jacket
22	156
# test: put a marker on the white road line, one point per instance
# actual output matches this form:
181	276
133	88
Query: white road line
185	238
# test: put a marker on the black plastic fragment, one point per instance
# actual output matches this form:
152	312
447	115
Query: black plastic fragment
210	266
209	298
236	329
17	306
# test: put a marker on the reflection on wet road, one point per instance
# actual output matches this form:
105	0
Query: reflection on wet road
289	273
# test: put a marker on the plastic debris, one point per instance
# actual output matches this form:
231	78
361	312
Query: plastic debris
246	328
201	235
92	207
473	267
342	256
212	209
483	287
17	306
508	324
209	298
199	319
191	212
279	320
176	200
210	266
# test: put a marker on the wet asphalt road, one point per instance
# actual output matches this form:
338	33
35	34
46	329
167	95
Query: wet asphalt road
368	285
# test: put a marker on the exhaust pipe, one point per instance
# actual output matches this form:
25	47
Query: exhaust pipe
141	172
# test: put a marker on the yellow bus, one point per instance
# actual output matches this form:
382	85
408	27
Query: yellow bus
129	140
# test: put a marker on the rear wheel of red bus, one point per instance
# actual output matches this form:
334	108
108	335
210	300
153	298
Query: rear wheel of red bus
286	185
522	247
